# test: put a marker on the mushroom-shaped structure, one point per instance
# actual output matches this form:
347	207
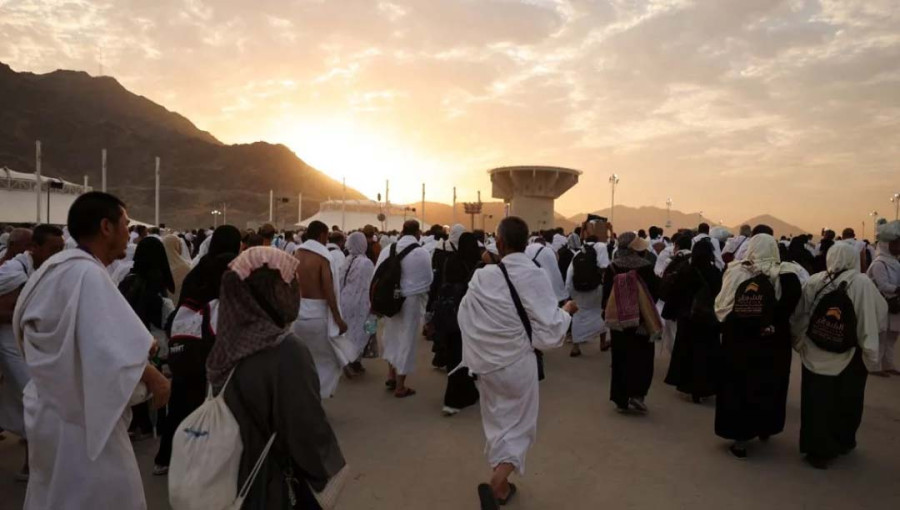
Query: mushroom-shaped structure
531	190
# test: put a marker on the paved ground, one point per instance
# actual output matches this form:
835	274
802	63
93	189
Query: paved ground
404	454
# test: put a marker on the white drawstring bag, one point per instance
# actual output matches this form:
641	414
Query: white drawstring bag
206	458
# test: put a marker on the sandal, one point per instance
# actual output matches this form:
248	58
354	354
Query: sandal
486	496
407	392
512	492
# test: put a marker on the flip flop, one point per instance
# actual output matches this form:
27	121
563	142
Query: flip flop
391	384
512	492
408	393
486	496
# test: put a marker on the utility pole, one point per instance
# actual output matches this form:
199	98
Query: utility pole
156	217
37	177
613	181
423	206
299	208
103	170
271	204
454	205
344	207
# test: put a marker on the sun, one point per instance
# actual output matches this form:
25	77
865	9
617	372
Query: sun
365	157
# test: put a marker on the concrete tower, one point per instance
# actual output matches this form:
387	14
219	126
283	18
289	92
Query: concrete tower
531	190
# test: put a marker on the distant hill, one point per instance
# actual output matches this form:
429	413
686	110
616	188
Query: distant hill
780	227
75	115
492	213
636	218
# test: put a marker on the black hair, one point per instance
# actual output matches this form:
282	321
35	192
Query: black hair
514	233
41	232
410	227
89	210
763	229
267	231
703	228
316	229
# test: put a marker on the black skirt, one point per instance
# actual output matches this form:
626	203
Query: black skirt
754	383
461	391
632	366
831	409
696	358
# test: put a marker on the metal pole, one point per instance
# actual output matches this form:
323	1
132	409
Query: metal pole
48	202
224	213
85	184
103	170
299	208
387	193
271	204
156	217
454	205
344	207
37	177
423	205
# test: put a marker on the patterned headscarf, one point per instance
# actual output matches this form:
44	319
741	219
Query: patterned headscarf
259	298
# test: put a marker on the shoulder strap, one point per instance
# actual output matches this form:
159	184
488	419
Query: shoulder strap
349	268
831	280
536	255
248	483
408	250
523	315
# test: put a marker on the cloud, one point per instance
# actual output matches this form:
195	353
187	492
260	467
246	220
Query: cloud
727	106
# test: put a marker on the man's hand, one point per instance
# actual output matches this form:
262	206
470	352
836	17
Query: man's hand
154	347
157	385
570	307
342	326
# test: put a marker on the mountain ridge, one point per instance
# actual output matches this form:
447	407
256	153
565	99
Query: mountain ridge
76	115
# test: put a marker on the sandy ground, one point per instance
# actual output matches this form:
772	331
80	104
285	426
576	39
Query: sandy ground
404	454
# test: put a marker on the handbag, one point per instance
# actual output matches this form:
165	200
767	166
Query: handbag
526	322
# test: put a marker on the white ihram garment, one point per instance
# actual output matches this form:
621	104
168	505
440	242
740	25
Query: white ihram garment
311	327
14	274
86	351
587	323
885	273
401	331
545	257
497	349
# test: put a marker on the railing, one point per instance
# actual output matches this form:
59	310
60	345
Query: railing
15	184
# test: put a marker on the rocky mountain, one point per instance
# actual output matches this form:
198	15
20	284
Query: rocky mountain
635	218
75	116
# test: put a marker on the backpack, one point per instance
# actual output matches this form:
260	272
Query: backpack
387	299
832	325
206	458
586	276
754	305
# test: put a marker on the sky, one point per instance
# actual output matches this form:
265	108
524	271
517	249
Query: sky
733	107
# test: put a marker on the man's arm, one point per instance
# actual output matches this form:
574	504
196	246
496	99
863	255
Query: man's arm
7	305
328	288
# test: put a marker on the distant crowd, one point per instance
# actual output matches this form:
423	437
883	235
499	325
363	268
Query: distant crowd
223	342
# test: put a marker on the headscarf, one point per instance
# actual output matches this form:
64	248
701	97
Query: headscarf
460	265
256	305
147	282
703	254
202	284
559	242
225	239
625	257
357	244
573	242
177	264
762	257
452	242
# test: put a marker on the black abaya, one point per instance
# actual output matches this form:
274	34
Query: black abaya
756	372
831	409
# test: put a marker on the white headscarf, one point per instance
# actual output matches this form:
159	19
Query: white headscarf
762	257
456	231
357	244
558	242
574	242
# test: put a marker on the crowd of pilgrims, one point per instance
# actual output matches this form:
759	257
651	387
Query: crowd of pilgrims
273	321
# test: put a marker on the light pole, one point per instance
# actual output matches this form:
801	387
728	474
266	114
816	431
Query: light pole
700	217
895	199
669	212
216	213
613	181
874	215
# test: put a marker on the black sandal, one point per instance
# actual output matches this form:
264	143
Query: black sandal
486	496
512	492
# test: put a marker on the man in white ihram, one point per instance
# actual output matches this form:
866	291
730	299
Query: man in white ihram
86	352
497	349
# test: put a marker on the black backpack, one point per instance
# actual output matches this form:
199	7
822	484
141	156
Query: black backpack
387	300
754	305
586	276
832	325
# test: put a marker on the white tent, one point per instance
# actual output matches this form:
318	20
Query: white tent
355	214
18	200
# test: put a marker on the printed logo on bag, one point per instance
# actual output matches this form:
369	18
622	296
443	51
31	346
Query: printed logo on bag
196	433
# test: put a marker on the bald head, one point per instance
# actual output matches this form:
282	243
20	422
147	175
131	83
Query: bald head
19	241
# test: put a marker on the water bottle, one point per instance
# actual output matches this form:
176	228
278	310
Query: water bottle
371	325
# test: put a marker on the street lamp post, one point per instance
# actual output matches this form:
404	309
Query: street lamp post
216	213
613	181
669	212
874	215
895	199
700	217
